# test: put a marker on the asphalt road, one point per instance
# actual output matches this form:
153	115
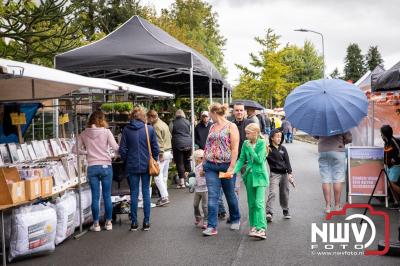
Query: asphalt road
174	240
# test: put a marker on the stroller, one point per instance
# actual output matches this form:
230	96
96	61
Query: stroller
120	192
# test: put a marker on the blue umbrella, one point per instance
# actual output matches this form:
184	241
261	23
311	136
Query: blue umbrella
326	107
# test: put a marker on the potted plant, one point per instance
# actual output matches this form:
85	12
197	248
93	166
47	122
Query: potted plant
123	110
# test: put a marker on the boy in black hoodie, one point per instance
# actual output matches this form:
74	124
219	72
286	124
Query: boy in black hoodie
281	174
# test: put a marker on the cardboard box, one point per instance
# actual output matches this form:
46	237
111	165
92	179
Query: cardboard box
33	188
47	186
12	189
17	192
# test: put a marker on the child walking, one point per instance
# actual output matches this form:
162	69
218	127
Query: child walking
255	178
200	191
281	174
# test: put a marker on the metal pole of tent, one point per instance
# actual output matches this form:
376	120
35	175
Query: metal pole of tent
43	131
209	85
3	240
373	124
33	127
78	163
223	94
192	106
55	119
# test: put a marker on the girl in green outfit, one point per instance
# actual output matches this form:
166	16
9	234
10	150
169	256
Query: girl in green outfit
255	178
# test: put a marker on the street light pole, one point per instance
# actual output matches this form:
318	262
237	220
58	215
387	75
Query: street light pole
323	45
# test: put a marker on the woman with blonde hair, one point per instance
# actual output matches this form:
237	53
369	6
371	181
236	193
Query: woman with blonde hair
96	140
255	178
135	153
220	154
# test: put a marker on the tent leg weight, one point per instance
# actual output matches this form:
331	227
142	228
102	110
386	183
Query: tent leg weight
79	235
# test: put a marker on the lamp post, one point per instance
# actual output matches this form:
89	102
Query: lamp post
323	47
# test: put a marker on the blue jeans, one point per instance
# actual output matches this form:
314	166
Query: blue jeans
134	186
214	184
100	174
288	137
268	131
221	206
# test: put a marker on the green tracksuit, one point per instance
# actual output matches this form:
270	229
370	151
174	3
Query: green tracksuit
256	180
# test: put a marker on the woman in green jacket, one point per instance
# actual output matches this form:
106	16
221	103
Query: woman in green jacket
255	178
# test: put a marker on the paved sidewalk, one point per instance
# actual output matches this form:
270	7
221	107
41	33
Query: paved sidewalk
173	239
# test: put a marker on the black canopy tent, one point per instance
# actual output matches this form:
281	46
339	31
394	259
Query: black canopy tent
388	80
142	54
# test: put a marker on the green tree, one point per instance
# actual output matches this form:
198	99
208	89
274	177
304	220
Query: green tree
276	71
266	84
373	58
354	63
335	74
304	62
35	32
194	23
97	18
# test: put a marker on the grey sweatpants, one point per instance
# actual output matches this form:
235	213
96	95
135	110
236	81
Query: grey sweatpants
278	181
203	197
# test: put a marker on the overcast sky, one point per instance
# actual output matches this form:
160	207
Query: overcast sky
366	22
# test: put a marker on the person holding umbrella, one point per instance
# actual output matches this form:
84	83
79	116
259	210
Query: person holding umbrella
328	108
332	166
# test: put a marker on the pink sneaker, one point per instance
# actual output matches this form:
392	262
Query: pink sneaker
210	232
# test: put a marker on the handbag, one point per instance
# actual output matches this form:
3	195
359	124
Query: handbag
154	168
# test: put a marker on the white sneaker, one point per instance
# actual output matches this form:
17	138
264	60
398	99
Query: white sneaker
95	228
140	205
235	226
108	226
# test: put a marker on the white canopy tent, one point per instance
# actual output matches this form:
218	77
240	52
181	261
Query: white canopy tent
23	81
130	88
28	82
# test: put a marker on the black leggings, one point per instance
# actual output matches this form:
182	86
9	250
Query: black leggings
182	161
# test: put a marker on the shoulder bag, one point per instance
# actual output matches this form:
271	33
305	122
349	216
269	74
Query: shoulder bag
154	168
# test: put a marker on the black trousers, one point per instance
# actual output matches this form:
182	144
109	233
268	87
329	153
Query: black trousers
182	161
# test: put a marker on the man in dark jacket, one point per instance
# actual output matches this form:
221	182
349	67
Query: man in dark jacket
202	129
281	174
240	121
135	153
181	145
262	122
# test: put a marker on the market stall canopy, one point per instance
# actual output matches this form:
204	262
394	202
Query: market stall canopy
138	90
140	53
388	80
23	81
364	83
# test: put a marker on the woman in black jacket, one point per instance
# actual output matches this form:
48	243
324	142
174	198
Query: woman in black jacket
181	145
